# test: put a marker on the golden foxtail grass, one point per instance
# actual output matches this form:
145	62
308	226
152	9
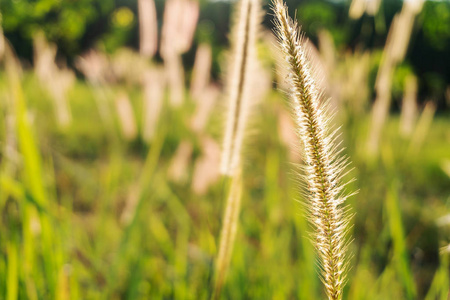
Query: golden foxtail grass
324	163
148	28
38	217
394	53
409	106
239	83
422	127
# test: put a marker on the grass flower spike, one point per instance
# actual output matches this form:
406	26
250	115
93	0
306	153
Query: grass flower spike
239	82
324	163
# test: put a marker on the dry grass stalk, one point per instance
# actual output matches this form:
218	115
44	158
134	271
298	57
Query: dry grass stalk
358	7
409	106
175	78
119	67
131	203
94	65
44	58
102	69
169	31
125	113
354	73
243	66
239	83
350	71
206	167
148	28
228	233
57	81
205	105
422	127
327	50
324	164
372	7
153	102
178	169
202	70
190	16
62	81
402	29
180	21
394	52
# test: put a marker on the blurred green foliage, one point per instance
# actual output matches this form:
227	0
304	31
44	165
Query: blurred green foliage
122	22
167	249
398	81
316	16
63	22
78	180
78	25
436	17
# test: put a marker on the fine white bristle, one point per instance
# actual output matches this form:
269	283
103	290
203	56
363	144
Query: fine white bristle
322	154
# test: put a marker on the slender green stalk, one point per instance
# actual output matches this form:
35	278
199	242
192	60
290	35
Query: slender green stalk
400	250
12	277
33	213
228	234
324	164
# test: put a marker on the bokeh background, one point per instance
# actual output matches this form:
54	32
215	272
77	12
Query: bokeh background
111	124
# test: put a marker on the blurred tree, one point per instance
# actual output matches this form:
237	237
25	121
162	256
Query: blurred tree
429	50
76	25
436	20
398	81
122	22
317	15
63	22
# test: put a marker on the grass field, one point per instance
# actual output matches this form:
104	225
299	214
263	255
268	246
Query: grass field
87	214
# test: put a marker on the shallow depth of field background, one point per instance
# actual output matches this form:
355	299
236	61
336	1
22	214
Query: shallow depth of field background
110	141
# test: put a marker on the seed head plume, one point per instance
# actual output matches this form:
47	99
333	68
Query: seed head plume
239	86
239	82
324	164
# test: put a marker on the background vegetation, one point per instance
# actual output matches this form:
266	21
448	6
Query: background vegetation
89	211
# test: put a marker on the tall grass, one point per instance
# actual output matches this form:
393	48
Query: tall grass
35	202
243	60
87	214
228	233
324	163
394	52
239	83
